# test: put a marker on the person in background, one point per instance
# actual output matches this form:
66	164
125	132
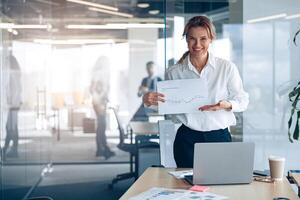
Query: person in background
225	91
99	89
14	92
149	83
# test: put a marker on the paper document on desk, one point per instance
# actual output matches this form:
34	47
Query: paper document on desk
182	96
158	193
181	174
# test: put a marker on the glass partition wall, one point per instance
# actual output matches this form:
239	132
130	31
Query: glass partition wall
258	37
59	48
271	71
25	146
55	46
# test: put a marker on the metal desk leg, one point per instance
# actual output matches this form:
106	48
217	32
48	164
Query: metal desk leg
136	161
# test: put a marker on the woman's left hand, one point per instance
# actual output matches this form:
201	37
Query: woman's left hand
221	105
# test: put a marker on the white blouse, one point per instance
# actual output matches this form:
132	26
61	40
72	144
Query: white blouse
224	83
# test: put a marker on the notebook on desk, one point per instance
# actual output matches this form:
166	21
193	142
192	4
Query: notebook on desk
222	163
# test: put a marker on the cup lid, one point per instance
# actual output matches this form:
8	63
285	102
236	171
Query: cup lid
276	158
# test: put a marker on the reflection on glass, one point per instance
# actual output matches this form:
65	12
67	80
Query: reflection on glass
258	38
14	101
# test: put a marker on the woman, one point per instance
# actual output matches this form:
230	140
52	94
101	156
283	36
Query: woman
99	89
225	89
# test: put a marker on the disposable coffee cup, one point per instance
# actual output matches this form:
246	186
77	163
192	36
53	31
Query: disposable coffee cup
276	164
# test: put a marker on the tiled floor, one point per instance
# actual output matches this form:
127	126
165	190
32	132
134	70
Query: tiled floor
88	181
66	182
72	147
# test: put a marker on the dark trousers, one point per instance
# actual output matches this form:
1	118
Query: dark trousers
102	147
12	132
183	148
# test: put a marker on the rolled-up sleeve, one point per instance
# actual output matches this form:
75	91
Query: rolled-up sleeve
238	98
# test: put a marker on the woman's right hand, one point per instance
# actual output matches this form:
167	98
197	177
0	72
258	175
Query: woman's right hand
152	98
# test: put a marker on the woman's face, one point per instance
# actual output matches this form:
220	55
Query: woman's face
198	41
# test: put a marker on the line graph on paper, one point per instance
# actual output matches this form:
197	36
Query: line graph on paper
185	100
182	96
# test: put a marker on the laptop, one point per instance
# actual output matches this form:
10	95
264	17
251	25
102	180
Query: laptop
222	163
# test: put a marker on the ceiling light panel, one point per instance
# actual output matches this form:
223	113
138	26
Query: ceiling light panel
111	12
293	16
261	19
97	5
154	12
74	41
24	26
114	26
143	5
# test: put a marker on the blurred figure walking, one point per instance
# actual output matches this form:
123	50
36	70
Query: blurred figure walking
99	89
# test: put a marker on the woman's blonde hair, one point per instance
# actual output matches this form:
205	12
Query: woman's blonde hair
198	21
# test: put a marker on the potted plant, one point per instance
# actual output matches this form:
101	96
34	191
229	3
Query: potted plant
294	97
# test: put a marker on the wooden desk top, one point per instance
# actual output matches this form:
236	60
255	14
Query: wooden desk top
296	177
158	177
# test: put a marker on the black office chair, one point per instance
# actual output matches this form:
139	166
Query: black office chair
132	149
127	147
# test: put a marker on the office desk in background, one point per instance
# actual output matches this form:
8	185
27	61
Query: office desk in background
144	128
159	177
147	145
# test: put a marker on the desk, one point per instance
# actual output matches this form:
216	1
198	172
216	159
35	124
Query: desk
296	178
144	128
145	135
158	177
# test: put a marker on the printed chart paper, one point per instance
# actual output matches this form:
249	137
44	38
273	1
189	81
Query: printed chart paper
182	96
157	193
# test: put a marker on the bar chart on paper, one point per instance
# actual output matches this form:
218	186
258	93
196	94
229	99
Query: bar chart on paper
182	96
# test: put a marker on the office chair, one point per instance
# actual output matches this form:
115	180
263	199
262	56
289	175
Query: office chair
132	149
127	147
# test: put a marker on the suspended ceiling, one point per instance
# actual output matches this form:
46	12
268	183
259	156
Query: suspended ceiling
59	13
